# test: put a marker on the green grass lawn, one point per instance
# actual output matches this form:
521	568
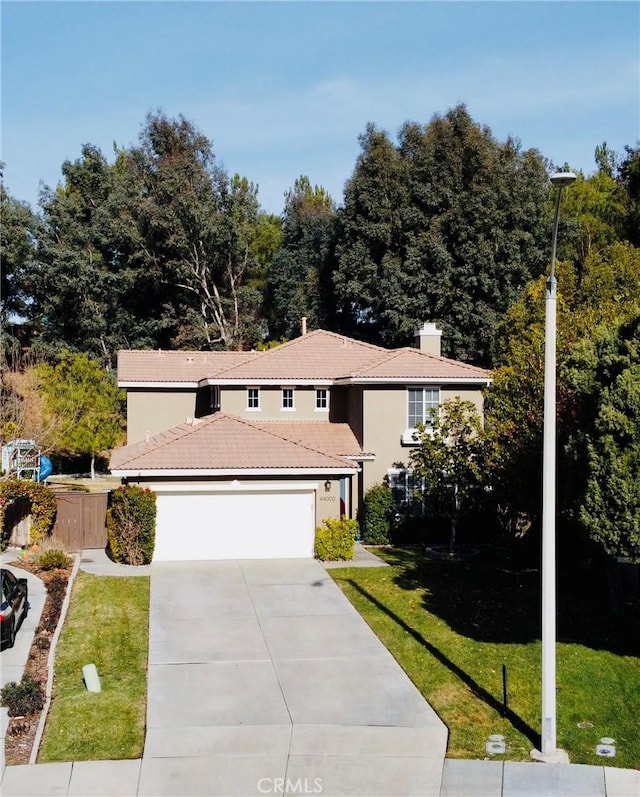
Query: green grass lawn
107	624
453	626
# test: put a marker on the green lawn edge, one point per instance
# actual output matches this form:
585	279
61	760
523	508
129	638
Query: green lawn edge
437	619
107	625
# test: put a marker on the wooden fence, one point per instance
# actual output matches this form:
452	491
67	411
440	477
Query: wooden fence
81	520
17	519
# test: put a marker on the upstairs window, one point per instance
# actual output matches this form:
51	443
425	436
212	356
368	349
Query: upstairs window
322	399
287	398
253	398
422	402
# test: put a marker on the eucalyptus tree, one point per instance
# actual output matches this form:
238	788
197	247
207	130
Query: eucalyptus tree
191	234
160	248
73	292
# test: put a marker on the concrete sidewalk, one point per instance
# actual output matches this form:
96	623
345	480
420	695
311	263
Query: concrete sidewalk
460	779
13	659
282	691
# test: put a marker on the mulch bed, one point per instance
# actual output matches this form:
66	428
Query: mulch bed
21	732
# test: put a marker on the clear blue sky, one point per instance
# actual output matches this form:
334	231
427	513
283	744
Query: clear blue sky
285	88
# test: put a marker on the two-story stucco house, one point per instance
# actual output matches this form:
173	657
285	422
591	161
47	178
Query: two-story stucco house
249	451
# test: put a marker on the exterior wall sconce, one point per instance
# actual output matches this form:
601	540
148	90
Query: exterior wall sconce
327	486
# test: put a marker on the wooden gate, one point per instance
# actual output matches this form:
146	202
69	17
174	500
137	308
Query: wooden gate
81	520
17	519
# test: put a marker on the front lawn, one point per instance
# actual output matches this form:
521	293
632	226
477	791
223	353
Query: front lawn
453	626
107	625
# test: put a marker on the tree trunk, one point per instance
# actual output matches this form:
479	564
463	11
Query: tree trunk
93	465
452	537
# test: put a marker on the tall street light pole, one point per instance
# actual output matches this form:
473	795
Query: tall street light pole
548	749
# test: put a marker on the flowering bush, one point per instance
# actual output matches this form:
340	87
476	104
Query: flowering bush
131	525
42	503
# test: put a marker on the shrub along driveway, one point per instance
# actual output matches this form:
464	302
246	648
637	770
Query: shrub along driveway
263	670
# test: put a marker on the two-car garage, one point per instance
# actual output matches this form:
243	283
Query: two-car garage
233	521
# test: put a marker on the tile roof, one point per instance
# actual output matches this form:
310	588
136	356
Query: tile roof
318	355
408	363
225	442
336	439
139	365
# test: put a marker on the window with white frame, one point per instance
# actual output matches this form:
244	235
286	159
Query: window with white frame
405	488
322	398
422	402
253	398
287	398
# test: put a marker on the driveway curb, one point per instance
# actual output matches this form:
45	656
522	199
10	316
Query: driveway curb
51	661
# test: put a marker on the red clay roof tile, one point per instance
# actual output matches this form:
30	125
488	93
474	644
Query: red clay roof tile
223	442
318	355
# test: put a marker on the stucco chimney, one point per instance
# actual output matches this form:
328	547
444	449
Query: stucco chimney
304	324
428	339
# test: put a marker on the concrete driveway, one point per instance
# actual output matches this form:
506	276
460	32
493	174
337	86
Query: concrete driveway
264	680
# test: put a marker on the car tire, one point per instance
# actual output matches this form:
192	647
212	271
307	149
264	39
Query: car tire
11	636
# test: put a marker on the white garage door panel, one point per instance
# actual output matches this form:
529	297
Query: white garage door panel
270	525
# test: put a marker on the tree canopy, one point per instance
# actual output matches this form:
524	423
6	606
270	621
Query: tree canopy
78	390
161	248
446	226
301	273
604	292
604	447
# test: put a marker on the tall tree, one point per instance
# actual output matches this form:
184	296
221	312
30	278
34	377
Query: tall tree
18	240
73	292
629	176
604	446
370	249
194	231
300	278
447	226
592	212
606	293
159	249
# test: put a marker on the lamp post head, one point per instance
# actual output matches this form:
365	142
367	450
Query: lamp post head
563	179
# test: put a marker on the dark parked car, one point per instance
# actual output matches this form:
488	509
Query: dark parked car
14	607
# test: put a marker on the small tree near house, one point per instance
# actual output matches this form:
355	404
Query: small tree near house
448	461
87	398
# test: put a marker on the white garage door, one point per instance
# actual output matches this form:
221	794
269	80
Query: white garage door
247	525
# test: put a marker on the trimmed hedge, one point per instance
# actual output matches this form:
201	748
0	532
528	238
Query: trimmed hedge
131	525
377	515
335	539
